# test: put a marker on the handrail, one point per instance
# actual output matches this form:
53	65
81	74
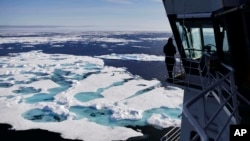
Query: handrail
192	120
210	83
179	70
244	99
198	127
227	122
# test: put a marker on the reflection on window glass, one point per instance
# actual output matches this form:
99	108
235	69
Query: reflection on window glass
195	36
225	43
182	34
184	38
209	38
196	42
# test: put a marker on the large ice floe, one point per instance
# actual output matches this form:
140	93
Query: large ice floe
81	98
137	57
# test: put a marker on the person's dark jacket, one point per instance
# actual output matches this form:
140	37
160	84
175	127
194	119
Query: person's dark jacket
169	48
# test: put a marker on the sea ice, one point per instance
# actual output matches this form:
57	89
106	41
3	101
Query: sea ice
81	98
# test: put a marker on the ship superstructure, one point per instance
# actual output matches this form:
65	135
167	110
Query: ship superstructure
213	40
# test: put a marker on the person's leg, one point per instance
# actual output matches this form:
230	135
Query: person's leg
170	70
170	65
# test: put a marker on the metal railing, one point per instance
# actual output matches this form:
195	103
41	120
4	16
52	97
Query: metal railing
218	84
201	66
223	89
172	135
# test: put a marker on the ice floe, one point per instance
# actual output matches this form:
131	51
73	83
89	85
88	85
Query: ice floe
54	92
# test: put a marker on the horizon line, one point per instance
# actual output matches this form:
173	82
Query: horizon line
85	27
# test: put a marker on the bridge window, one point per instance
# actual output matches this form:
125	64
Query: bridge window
196	37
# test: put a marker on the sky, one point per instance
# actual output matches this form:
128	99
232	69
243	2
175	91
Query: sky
148	15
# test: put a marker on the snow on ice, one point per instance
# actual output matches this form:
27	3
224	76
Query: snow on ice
68	94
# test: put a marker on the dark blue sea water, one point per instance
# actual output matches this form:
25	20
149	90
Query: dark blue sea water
50	40
88	43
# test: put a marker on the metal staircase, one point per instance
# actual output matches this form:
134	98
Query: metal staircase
172	135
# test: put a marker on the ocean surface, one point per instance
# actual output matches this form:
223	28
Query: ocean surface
85	85
20	39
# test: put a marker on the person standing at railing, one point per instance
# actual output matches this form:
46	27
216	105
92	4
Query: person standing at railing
170	51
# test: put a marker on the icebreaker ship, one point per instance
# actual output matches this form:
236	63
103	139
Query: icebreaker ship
213	40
